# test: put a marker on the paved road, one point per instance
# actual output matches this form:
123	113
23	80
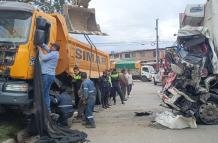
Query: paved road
119	125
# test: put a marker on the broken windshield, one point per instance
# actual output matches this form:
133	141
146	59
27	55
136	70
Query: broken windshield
14	26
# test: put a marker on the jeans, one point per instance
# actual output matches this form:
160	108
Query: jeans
129	89
89	109
105	93
116	89
124	88
47	82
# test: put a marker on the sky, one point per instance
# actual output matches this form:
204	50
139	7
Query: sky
130	24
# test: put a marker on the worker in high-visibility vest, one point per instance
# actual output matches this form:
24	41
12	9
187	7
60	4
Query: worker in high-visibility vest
110	88
115	79
78	81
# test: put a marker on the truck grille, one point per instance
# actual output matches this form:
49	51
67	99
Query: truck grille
7	54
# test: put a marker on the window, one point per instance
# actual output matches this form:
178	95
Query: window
15	26
121	56
133	54
127	55
47	31
145	69
154	53
142	53
116	56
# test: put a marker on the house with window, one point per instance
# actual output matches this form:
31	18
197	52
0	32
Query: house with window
146	55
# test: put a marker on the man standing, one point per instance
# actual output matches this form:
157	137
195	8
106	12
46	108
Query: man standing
77	85
115	79
48	59
130	82
110	88
89	97
123	82
105	89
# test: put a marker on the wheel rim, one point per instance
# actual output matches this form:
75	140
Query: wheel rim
208	113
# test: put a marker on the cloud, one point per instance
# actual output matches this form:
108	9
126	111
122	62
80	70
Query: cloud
134	20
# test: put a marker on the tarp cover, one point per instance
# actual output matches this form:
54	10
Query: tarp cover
47	129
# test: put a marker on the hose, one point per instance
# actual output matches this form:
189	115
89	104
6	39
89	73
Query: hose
96	52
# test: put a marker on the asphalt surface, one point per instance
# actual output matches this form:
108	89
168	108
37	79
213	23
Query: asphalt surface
119	124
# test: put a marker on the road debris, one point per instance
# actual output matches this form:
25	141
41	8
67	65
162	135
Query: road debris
172	121
140	114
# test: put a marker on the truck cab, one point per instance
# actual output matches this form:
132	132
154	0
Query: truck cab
19	30
147	73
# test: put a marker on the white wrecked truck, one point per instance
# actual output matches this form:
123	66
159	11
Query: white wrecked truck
193	87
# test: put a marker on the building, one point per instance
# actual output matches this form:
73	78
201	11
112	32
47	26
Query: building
147	55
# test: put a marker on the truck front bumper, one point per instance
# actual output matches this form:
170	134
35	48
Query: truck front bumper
10	98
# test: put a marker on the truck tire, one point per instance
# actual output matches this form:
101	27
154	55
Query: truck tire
206	113
144	79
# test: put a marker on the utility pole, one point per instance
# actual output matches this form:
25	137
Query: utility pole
157	43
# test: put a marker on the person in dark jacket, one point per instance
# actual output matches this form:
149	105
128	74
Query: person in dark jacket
88	98
105	89
64	107
115	79
77	84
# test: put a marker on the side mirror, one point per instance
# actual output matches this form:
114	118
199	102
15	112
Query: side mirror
39	38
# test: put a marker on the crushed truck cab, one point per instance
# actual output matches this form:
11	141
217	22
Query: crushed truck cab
21	28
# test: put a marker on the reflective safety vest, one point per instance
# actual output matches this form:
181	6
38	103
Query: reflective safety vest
77	77
109	80
114	76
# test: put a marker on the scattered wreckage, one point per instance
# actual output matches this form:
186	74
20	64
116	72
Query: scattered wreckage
192	86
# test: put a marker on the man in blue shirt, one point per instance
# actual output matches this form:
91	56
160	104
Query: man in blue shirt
48	59
88	98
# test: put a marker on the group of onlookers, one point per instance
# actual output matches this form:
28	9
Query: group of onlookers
110	84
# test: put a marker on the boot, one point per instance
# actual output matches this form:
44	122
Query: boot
91	126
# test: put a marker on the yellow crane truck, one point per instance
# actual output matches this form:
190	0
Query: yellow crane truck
22	26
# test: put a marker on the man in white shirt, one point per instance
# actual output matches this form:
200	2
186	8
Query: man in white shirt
130	82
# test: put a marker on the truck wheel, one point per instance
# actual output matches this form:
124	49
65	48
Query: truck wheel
207	113
144	79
